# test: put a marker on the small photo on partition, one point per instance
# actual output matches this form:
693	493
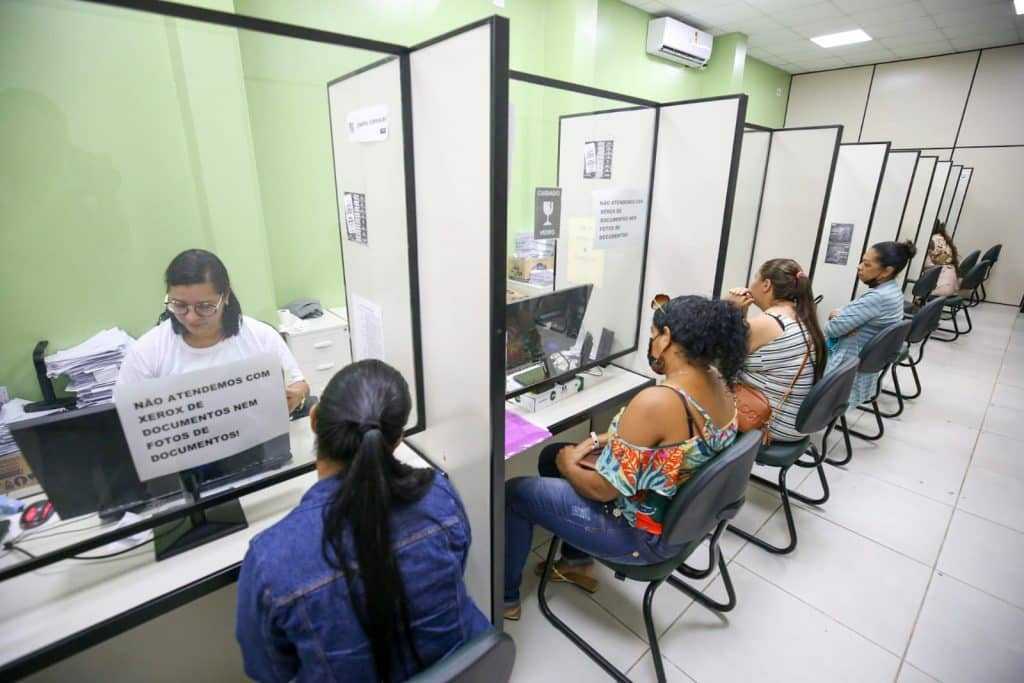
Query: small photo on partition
840	235
597	159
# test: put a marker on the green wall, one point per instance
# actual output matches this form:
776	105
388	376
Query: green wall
128	137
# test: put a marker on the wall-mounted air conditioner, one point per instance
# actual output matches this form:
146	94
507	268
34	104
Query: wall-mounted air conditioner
670	38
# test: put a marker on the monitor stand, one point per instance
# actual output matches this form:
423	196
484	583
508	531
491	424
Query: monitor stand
199	527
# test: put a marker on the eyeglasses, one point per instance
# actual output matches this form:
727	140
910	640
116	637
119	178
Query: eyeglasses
659	302
204	309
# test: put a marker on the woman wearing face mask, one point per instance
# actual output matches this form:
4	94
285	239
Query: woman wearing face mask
855	324
205	328
606	496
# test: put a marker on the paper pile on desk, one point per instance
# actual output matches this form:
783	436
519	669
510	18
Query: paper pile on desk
92	366
12	411
528	247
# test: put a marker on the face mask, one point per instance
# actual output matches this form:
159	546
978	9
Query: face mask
655	363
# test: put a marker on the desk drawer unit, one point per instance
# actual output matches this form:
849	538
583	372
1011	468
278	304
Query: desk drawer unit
320	355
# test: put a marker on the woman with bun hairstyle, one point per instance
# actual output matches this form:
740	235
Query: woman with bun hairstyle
942	253
786	351
851	327
607	496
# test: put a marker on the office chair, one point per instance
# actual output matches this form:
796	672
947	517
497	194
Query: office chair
701	509
487	658
957	303
823	405
923	288
924	322
992	256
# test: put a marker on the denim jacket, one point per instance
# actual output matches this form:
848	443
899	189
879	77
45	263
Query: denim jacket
295	619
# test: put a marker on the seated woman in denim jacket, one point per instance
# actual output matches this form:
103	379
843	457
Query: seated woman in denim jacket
613	507
363	580
851	327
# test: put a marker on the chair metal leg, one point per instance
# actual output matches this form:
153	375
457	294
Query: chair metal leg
898	393
816	462
787	510
877	412
844	429
568	632
984	294
702	597
956	331
913	373
652	633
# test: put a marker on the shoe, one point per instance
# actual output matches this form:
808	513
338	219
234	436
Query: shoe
567	573
513	613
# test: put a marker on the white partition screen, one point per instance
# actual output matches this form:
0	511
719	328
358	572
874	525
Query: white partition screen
915	201
931	212
958	199
604	170
800	168
848	221
892	199
689	210
458	93
949	192
745	207
377	240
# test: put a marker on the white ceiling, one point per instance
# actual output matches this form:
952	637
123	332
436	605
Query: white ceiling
779	31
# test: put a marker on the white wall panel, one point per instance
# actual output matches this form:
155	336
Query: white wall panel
994	113
992	215
859	171
918	194
747	200
949	192
918	103
892	200
830	97
941	154
796	183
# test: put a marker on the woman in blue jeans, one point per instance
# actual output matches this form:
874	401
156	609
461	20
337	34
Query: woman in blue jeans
363	580
606	497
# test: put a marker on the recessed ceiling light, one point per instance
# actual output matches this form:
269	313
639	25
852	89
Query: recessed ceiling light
848	37
1019	6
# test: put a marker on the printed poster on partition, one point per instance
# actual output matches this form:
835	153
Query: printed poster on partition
620	214
840	235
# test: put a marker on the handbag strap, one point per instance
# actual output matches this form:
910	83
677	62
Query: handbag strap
785	397
690	422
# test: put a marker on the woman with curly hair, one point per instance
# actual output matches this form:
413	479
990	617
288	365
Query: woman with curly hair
607	496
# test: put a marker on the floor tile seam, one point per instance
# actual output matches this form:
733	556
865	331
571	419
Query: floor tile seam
819	610
983	518
664	658
890	483
964	582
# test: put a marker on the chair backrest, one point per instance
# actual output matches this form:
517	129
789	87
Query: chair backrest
827	399
926	283
713	494
969	261
992	255
487	658
975	276
926	320
884	348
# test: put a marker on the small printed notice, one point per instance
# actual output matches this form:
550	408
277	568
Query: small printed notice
182	421
547	213
366	325
586	264
597	159
369	124
840	235
619	215
355	217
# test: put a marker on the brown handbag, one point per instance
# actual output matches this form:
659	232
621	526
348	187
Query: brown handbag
753	411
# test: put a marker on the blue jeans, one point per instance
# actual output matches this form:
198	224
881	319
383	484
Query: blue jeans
588	527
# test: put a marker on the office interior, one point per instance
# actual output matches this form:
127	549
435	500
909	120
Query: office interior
527	180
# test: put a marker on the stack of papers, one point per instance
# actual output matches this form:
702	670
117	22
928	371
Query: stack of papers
527	247
542	277
12	411
92	366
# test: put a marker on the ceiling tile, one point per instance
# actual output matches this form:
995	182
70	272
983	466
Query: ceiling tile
803	15
887	15
902	28
769	38
993	40
772	6
854	6
825	26
801	55
975	30
946	5
915	38
975	15
724	14
824	63
924	50
752	25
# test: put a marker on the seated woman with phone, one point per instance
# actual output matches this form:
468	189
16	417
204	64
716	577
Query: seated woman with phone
607	496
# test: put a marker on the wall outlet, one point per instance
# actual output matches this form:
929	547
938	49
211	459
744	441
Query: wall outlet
778	92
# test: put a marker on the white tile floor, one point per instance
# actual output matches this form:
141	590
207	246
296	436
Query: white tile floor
912	572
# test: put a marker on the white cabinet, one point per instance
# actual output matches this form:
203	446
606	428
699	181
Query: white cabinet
320	345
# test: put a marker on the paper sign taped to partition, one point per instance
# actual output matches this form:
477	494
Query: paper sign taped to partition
366	327
840	235
182	421
586	264
547	213
620	214
597	159
355	217
369	124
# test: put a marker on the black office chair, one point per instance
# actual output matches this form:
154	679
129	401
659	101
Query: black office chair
877	355
992	256
924	322
959	302
823	405
487	658
701	509
969	262
923	288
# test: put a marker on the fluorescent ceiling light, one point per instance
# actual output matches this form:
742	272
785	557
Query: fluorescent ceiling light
848	37
1019	6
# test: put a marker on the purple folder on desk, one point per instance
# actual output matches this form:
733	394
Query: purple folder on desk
521	434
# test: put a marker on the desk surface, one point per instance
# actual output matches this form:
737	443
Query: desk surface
58	610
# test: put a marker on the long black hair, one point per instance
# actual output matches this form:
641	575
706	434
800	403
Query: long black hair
790	283
196	266
895	255
940	229
359	421
710	332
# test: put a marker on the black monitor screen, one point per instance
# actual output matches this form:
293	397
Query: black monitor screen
540	326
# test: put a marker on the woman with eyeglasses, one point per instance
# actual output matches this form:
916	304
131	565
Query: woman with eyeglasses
204	328
607	496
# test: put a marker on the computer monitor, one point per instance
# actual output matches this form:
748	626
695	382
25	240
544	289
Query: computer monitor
82	461
545	325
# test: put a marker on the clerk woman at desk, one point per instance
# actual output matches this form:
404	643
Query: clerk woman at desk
205	328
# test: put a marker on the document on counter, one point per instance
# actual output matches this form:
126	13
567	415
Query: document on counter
366	325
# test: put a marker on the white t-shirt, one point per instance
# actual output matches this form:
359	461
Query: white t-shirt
160	352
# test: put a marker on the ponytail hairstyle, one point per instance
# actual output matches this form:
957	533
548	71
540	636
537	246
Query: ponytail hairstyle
940	229
790	283
895	255
359	422
194	267
710	332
